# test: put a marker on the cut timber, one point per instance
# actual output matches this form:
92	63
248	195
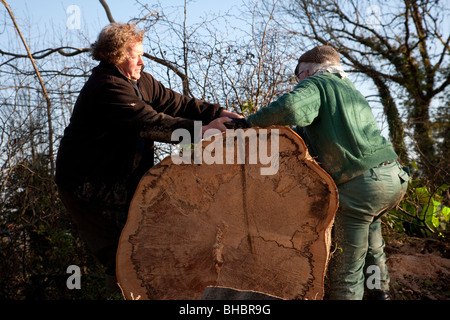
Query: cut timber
193	226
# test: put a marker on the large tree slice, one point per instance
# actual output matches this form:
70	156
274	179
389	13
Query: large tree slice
193	226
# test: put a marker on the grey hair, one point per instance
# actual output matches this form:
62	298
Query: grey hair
315	68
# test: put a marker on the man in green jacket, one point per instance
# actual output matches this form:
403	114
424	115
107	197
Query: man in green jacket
339	128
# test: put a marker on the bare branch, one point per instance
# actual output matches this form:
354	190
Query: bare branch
44	53
41	82
108	11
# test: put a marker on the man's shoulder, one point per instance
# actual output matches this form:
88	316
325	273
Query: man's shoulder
105	75
328	80
147	78
326	76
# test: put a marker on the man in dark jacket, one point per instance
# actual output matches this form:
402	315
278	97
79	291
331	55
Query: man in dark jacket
108	145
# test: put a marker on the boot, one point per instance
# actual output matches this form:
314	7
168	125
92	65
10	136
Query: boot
378	295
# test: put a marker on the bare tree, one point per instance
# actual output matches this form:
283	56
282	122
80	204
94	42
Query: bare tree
402	47
44	91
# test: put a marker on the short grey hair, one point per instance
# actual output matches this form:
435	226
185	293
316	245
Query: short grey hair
312	67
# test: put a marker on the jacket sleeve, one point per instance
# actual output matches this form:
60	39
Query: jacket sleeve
122	107
175	104
298	107
155	119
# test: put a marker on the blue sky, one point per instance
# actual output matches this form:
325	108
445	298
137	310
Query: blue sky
77	23
55	13
45	23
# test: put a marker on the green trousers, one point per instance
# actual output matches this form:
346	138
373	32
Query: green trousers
359	262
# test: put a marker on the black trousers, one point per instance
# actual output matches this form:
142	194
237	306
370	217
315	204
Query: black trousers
99	224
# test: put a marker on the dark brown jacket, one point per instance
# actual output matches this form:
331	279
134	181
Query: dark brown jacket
103	155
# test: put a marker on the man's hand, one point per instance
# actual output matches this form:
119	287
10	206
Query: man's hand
217	124
229	114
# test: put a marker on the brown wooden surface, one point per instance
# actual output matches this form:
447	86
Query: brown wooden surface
191	226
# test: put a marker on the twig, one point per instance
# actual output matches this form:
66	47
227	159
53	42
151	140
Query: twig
49	104
108	12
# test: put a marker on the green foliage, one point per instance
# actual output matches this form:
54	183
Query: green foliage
422	212
247	108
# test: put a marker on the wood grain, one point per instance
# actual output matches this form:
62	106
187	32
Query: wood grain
193	226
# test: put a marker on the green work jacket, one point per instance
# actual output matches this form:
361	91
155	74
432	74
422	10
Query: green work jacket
337	121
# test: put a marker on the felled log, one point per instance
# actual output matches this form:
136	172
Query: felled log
261	226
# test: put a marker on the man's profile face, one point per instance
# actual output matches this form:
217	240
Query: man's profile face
131	67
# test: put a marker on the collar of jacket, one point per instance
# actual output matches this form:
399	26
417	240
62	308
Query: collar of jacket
116	72
113	68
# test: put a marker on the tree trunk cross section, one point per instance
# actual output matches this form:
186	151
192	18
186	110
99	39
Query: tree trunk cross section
196	226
